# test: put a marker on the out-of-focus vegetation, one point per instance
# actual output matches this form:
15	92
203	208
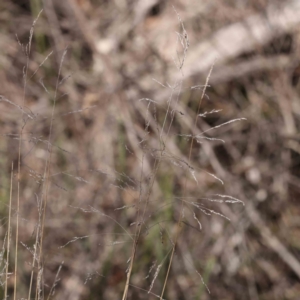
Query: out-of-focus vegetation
118	80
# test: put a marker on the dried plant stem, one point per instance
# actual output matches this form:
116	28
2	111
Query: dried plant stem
25	75
34	254
56	280
19	167
138	229
140	220
18	209
8	230
47	172
156	167
178	226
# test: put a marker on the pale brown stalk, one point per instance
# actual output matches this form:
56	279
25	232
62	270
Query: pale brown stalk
138	230
25	76
47	170
140	222
156	166
35	252
8	230
178	226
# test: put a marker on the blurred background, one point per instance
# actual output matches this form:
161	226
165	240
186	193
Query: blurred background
122	97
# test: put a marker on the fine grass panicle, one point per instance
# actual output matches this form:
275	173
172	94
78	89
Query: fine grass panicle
123	220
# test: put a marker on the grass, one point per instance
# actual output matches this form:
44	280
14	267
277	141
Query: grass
155	219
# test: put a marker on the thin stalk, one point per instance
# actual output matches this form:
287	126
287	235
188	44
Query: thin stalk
140	223
25	76
27	52
19	162
17	224
156	167
9	222
178	226
138	230
47	168
35	252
